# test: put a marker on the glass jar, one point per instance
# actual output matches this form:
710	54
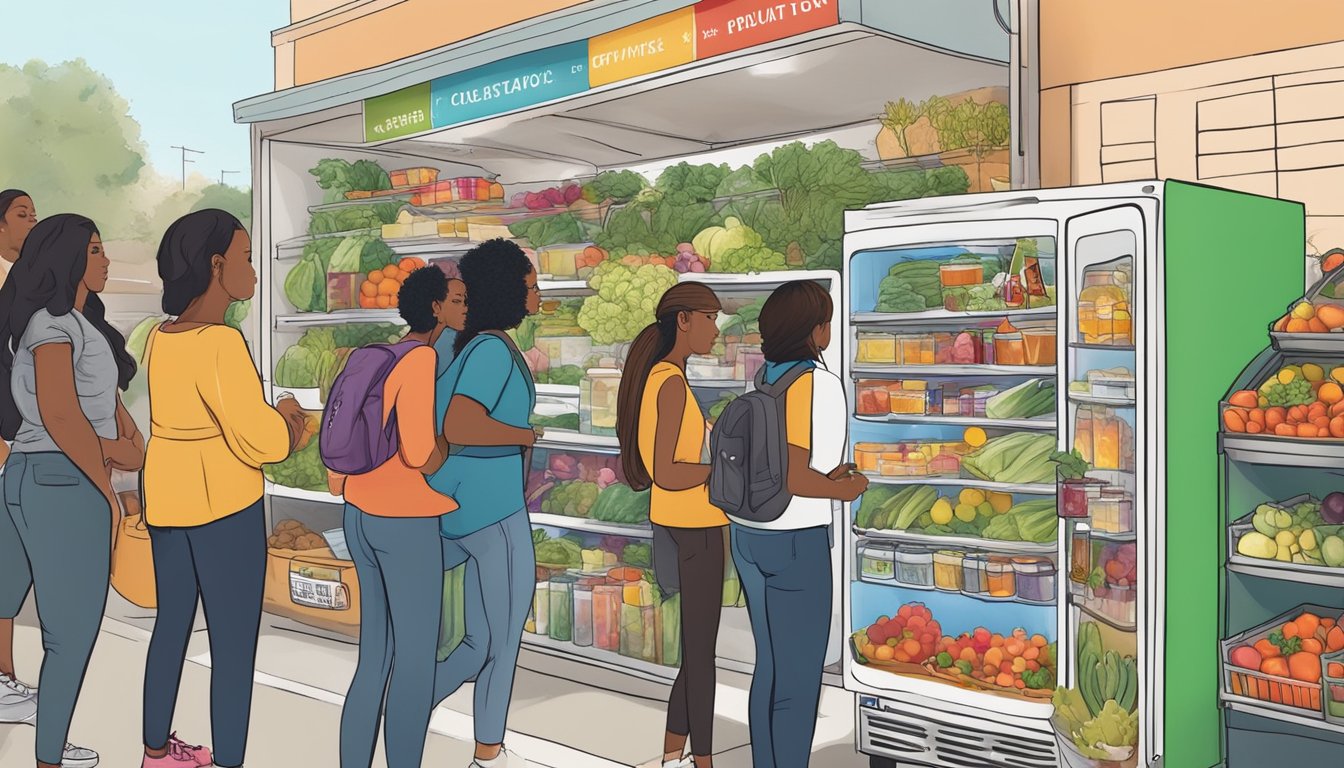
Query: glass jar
947	572
597	401
914	567
871	398
1105	440
877	561
583	611
1103	309
1000	579
1080	557
876	348
1039	345
607	601
560	625
974	574
541	607
1035	579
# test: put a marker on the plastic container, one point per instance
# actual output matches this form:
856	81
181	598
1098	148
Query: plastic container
1075	496
1000	578
1009	349
916	349
947	572
871	398
1271	691
541	608
583	611
974	400
1119	603
1035	578
569	348
975	574
1333	686
1080	557
963	274
1113	511
867	456
914	568
1039	345
560	624
607	616
1103	309
951	401
597	401
877	348
749	360
1105	440
908	401
877	561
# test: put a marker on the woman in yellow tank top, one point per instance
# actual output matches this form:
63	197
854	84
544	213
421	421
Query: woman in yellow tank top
662	435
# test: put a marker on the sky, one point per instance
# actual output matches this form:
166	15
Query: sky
180	63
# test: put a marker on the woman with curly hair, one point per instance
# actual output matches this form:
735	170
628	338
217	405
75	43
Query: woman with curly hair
484	401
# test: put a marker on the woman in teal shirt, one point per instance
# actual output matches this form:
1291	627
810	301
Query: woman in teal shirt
485	400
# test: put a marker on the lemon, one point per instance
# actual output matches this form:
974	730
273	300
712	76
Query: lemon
972	496
941	512
1337	375
1262	401
1304	311
1285	539
965	513
975	436
1313	373
1286	376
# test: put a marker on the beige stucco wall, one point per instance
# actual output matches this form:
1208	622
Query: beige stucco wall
329	38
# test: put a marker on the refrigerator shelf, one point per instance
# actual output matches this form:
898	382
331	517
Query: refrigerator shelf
1046	424
1282	451
1028	489
943	316
310	398
591	526
960	542
609	660
567	440
1311	343
1103	618
1108	536
1264	709
866	370
1102	347
1114	402
1295	573
285	492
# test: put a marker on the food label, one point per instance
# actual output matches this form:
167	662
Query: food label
318	593
396	114
514	83
723	26
660	43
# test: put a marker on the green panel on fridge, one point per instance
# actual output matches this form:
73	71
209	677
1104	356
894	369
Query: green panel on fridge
1233	262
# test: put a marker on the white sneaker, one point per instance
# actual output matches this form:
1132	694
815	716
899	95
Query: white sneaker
685	762
18	702
78	757
505	759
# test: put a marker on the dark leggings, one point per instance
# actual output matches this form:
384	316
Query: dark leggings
223	562
690	708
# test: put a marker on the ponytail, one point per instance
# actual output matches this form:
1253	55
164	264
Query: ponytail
651	345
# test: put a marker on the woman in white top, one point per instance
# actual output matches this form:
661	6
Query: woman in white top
785	564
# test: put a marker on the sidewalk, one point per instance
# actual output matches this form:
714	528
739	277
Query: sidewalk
564	714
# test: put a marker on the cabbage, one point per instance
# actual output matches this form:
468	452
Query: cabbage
625	300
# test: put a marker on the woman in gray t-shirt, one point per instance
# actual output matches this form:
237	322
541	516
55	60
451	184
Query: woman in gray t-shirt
64	364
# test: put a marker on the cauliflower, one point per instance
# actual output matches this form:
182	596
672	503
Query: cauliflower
625	300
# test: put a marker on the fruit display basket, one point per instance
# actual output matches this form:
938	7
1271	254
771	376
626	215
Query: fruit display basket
1315	323
966	681
856	641
1279	692
1332	677
1321	552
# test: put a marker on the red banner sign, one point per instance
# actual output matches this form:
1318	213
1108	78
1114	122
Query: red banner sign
724	26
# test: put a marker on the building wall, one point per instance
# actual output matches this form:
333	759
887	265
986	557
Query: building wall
329	38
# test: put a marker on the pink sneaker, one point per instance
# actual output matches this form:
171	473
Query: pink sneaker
180	755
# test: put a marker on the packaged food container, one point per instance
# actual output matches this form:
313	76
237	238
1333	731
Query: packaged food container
597	401
749	360
914	567
1035	578
975	399
951	399
962	274
908	401
879	348
343	290
987	347
915	349
1113	511
1039	345
607	601
541	607
964	348
1000	578
871	398
1009	349
583	611
564	348
1112	387
877	561
1120	603
1103	309
947	571
560	261
413	177
945	465
560	625
975	574
1332	680
866	456
1105	440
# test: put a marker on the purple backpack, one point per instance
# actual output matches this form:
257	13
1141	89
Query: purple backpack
353	439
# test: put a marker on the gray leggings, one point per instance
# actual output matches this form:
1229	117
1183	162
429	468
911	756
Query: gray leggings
64	527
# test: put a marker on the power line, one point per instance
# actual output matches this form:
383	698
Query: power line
184	151
221	176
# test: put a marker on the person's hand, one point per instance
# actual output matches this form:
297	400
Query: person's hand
294	418
335	483
538	433
842	471
852	487
122	454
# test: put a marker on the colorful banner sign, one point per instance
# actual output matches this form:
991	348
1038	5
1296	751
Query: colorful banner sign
513	83
724	26
660	43
397	114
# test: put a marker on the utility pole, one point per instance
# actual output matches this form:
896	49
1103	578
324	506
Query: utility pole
184	151
221	176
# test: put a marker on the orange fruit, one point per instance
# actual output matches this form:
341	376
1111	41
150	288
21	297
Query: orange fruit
384	301
1330	393
408	264
367	302
391	271
396	301
1297	326
388	288
368	288
1331	315
884	653
1282	324
376	276
402	274
1307	624
1316	326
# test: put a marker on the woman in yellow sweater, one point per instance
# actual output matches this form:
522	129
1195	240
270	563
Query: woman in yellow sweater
662	436
211	431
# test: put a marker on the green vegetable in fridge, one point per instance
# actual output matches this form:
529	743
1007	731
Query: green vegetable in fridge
237	313
638	555
964	667
919	277
1036	521
297	368
340	176
619	503
624	301
306	283
1016	458
873	499
549	230
454	625
715	242
1027	400
944	660
616	186
565	421
360	334
681	223
303	469
571	499
670	612
1071	465
1112	727
353	218
716	409
684	184
748	260
360	253
559	552
743	181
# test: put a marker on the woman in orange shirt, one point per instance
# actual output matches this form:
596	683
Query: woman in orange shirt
392	529
662	436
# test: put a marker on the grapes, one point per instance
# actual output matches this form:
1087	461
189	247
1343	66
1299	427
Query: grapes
1296	392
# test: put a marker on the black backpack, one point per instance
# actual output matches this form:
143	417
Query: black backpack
749	452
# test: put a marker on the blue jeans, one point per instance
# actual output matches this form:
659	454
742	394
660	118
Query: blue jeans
224	564
786	576
500	581
399	562
64	531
